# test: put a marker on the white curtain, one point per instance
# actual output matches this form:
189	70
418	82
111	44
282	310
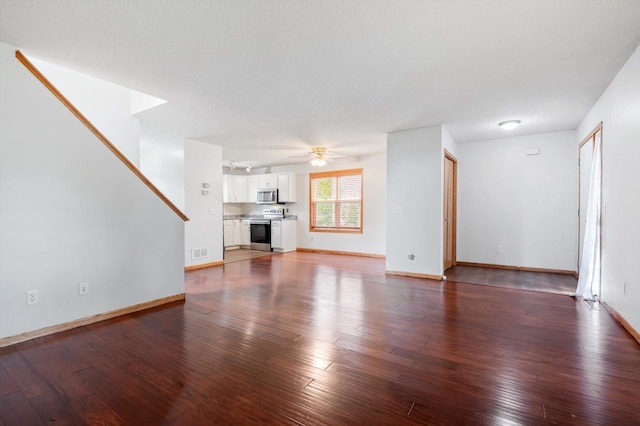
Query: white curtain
589	274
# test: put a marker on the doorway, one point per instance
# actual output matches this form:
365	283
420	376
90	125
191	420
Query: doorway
585	163
589	214
449	213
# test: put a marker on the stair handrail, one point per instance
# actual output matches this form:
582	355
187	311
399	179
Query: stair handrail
37	74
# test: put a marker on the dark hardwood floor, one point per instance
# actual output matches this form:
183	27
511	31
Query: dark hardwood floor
317	339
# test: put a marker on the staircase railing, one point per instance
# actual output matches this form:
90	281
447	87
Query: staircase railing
37	74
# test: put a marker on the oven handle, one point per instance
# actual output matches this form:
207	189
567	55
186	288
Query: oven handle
260	222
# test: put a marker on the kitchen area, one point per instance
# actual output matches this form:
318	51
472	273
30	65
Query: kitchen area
256	215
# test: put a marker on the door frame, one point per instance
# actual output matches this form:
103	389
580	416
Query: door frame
591	137
454	237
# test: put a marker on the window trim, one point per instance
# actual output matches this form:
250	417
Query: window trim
312	204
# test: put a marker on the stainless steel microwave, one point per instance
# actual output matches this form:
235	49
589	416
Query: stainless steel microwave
267	196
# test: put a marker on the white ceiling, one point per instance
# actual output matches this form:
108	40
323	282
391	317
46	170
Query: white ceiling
270	79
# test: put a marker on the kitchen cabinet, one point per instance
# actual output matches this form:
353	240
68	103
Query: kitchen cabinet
287	187
244	189
276	234
234	189
268	181
252	189
232	233
240	189
245	233
237	232
283	235
228	233
226	188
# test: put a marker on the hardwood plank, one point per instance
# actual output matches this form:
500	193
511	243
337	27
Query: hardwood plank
307	338
53	407
28	381
16	410
127	396
62	381
7	385
93	411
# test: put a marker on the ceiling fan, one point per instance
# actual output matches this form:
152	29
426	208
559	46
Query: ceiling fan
319	156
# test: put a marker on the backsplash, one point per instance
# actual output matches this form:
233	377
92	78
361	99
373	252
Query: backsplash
236	211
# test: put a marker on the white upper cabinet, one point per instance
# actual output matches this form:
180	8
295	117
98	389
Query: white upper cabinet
252	189
267	181
240	189
227	189
287	188
234	189
244	189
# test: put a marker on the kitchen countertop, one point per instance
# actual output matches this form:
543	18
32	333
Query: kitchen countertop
242	217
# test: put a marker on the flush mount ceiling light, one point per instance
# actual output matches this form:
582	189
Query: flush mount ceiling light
510	124
318	156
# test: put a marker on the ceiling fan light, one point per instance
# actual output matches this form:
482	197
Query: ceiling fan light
509	124
318	162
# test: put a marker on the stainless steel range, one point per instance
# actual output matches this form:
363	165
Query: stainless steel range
273	213
260	229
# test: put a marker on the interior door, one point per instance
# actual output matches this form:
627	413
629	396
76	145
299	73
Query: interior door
449	213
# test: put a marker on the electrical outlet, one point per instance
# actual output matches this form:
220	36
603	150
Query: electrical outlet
83	288
498	249
32	297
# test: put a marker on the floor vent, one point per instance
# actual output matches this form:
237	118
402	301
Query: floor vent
199	253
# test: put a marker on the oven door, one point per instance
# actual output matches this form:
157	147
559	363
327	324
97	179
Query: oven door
260	235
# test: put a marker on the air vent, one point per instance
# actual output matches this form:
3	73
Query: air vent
199	253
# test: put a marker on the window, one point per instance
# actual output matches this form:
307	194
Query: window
336	201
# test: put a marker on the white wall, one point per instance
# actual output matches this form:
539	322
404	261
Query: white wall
106	105
179	168
525	203
450	145
414	200
372	240
619	111
162	162
71	212
203	163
